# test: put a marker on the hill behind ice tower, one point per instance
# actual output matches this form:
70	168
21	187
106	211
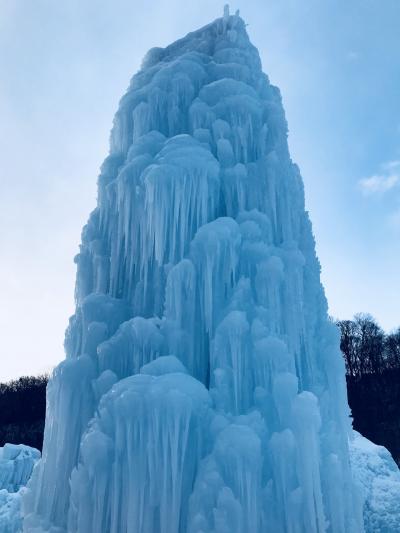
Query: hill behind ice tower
203	388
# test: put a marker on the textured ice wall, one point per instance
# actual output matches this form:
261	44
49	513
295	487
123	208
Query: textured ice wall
10	512
16	465
203	389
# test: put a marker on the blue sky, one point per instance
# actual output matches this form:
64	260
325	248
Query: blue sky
64	66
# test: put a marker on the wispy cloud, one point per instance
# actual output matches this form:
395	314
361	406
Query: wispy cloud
378	183
382	182
390	165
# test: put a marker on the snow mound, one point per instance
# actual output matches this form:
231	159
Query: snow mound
374	468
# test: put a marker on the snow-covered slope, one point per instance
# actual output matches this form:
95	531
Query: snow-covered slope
379	476
16	465
203	389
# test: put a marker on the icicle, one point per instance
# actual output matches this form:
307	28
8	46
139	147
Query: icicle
230	361
171	410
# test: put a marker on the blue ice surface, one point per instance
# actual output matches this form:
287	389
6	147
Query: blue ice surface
16	464
203	389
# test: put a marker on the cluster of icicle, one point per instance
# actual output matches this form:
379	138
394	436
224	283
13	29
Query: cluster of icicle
16	465
203	389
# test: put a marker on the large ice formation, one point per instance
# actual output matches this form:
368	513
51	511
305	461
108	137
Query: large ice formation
16	465
203	389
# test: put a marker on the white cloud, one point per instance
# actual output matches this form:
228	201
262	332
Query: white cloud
388	179
383	181
379	183
391	165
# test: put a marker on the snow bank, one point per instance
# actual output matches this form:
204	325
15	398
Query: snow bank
379	476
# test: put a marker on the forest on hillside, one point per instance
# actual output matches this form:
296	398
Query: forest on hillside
373	380
372	360
22	411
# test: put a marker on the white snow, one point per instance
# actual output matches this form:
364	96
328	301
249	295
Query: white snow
203	389
379	477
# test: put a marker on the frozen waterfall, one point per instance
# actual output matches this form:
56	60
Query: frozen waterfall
203	389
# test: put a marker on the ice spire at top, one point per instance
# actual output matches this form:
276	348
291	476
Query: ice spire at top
226	12
203	389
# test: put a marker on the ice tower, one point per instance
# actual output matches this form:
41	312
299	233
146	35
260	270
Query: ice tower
203	390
